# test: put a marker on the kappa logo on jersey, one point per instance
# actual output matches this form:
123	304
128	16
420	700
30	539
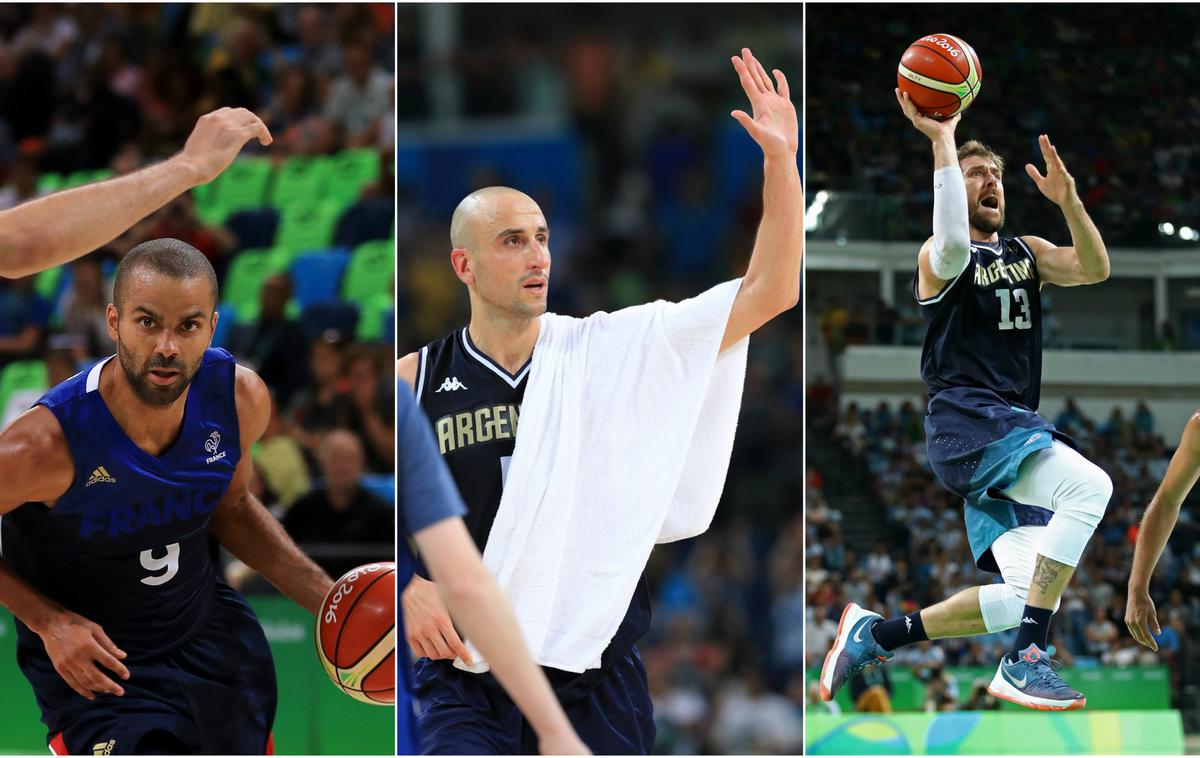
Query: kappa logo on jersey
451	384
100	475
211	444
104	748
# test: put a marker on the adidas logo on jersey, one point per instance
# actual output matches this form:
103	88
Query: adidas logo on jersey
451	384
104	748
100	475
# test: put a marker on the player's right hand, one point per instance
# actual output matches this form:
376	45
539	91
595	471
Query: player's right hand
427	625
1142	618
78	648
217	139
930	127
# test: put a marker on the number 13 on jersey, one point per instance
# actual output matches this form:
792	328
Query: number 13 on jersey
1022	320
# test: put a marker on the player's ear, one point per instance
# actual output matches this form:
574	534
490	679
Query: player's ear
463	266
212	327
111	316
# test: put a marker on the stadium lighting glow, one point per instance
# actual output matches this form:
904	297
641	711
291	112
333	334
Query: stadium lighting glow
1166	228
812	218
1188	233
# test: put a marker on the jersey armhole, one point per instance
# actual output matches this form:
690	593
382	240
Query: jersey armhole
942	292
422	357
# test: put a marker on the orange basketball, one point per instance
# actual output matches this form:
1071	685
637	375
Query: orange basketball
356	633
941	75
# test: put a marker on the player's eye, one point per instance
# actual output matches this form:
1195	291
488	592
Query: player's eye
512	241
190	326
542	238
146	322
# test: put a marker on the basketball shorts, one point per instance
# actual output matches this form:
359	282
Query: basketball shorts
976	442
214	694
470	714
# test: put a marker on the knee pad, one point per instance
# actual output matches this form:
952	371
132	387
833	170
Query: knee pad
1001	607
1086	498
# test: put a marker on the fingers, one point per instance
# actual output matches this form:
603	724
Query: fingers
107	644
74	684
748	84
906	105
440	647
782	81
755	70
768	85
1034	174
744	119
418	646
460	648
98	681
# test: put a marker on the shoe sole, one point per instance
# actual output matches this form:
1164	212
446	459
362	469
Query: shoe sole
839	644
1003	689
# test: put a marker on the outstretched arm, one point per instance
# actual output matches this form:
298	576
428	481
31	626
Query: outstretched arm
58	228
772	282
1086	261
1156	528
247	529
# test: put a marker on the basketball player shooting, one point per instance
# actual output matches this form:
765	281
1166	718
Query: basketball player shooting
566	513
61	227
1031	502
115	484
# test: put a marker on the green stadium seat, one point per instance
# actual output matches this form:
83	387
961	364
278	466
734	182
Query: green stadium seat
243	185
80	178
302	181
306	227
242	287
27	377
371	271
49	182
352	170
48	283
372	313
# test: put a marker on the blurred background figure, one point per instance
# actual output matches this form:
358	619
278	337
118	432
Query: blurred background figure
615	119
301	234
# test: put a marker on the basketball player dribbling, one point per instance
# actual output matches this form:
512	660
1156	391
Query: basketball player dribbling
118	485
502	254
1031	502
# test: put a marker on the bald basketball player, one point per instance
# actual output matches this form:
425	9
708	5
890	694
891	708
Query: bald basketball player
58	228
501	252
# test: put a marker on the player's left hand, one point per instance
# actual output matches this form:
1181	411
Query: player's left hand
1057	185
1142	618
774	126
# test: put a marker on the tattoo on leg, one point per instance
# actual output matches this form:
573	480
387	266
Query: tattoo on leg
1046	572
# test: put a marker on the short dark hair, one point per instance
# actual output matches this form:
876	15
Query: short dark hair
170	257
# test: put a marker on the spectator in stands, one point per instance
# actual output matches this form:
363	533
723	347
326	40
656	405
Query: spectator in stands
178	220
372	408
21	184
321	405
274	345
24	316
359	98
81	311
280	462
340	511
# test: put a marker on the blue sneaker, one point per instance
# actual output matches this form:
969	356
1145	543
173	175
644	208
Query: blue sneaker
854	650
1033	681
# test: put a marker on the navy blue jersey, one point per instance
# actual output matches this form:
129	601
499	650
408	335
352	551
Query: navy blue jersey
984	329
474	406
127	546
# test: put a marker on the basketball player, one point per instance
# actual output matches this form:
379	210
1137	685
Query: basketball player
1157	525
61	227
118	485
430	510
501	253
1031	501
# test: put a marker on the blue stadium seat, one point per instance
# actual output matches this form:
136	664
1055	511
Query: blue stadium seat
225	319
381	485
319	318
317	276
254	228
365	220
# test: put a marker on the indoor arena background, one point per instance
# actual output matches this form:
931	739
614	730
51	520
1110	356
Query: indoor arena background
300	233
1107	84
615	119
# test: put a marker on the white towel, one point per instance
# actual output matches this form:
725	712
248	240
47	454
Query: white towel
625	436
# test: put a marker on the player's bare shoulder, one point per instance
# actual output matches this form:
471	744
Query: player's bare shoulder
253	403
406	369
37	436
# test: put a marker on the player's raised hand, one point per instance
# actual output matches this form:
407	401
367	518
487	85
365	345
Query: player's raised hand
1142	618
427	625
78	648
1057	184
774	125
217	139
930	127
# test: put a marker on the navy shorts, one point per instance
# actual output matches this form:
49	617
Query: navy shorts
976	442
470	714
213	694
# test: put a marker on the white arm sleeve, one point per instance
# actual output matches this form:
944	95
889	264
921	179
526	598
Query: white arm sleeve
951	228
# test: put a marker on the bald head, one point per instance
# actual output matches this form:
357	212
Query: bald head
486	210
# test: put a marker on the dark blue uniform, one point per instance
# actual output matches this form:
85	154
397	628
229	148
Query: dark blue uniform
128	547
982	362
474	407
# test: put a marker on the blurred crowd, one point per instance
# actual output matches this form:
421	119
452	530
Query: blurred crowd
91	91
1041	75
920	555
643	96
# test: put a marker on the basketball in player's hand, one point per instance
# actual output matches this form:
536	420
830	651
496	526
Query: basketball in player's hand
941	74
356	633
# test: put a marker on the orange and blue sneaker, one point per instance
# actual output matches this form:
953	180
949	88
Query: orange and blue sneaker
1032	681
854	650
